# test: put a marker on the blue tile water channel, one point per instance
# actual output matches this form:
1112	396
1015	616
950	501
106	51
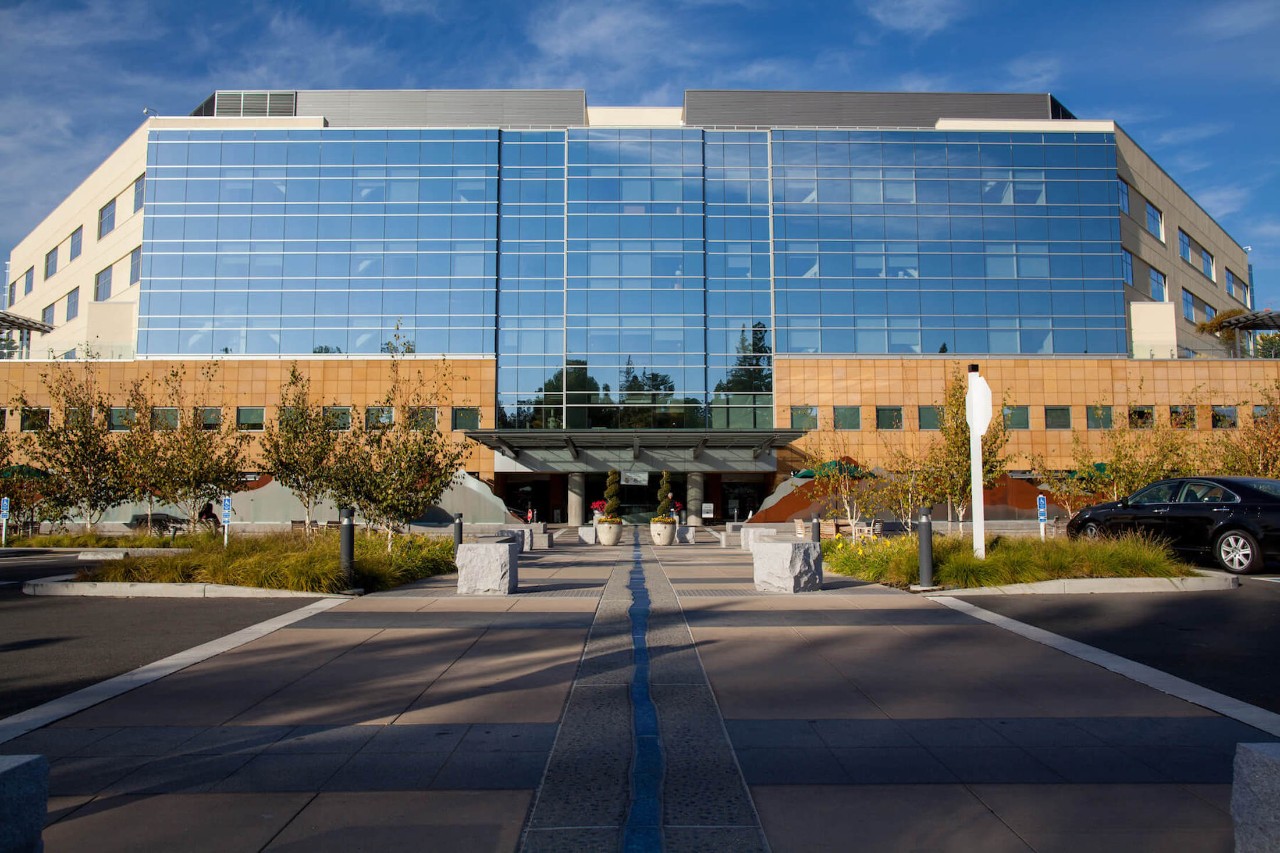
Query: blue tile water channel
643	830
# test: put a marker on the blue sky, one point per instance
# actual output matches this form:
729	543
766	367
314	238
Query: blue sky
1195	83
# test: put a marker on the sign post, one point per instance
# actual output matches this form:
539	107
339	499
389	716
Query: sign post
4	522
226	520
1042	512
977	413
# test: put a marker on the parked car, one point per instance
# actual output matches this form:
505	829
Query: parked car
161	522
1234	520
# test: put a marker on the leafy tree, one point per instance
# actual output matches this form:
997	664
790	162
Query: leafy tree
298	449
664	492
1229	337
839	482
143	462
393	472
948	459
1253	449
612	488
76	446
1074	488
909	483
1267	345
202	457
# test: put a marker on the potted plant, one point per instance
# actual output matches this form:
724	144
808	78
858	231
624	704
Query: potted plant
608	525
662	527
597	510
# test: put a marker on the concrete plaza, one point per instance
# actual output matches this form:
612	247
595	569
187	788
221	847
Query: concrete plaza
641	698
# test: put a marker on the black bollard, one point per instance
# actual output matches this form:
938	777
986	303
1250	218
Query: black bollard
457	531
925	533
347	543
815	530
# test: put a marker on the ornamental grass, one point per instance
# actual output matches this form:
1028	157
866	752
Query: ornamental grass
292	561
895	561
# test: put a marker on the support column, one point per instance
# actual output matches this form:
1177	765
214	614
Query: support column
577	499
693	498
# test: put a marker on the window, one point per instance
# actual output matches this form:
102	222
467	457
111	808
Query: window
378	417
1126	266
1182	417
422	417
1057	417
337	417
1161	493
210	417
888	417
1124	196
32	419
466	417
846	417
1016	417
1262	412
73	304
77	238
251	418
28	281
1184	246
1157	286
46	315
1188	306
1234	289
102	286
1155	221
107	219
164	418
13	293
139	192
1210	313
135	266
1142	417
51	263
1206	264
1224	417
119	419
804	417
930	417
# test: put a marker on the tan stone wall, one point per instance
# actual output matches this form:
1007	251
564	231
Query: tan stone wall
1035	383
338	382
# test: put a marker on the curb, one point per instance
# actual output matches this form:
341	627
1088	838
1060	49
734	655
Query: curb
60	585
1079	586
121	553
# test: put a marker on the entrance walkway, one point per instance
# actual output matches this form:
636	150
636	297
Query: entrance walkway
641	698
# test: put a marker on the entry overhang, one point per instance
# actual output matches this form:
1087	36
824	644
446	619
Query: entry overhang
587	448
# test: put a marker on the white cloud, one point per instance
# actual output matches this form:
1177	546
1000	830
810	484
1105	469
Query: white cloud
1034	73
920	18
402	8
1190	134
1235	19
1223	200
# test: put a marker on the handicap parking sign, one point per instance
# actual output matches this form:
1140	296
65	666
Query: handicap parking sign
1042	508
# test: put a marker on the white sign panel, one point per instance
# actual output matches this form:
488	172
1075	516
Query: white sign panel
708	510
635	478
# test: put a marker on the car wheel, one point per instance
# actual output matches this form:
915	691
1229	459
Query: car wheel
1091	530
1238	552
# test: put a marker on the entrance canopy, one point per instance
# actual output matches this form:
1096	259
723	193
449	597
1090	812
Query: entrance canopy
21	324
602	449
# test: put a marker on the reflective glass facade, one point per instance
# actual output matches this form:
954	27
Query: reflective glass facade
631	278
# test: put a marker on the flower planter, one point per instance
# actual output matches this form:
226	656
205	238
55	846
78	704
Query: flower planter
662	533
608	532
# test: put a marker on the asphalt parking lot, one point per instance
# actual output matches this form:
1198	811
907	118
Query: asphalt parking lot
1226	641
52	646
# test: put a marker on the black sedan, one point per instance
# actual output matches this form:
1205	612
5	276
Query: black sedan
1236	520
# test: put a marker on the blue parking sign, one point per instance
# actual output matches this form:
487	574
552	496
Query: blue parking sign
1042	508
4	504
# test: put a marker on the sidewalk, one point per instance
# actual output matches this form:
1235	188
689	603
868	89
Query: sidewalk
646	698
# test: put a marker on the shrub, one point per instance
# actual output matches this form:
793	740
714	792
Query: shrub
895	561
291	561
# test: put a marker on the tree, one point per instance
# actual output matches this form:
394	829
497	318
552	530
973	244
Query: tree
664	496
948	459
298	449
612	488
909	483
1267	345
393	472
76	446
1229	337
1253	449
839	482
203	453
143	464
1074	488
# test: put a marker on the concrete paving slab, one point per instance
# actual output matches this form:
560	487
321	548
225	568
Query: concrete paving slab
1099	808
63	807
142	740
385	772
54	742
469	770
82	774
409	739
912	765
410	821
293	772
180	774
187	822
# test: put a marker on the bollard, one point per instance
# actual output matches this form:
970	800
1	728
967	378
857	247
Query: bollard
926	548
347	543
815	530
457	531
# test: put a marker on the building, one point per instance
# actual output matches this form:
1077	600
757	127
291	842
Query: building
692	288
